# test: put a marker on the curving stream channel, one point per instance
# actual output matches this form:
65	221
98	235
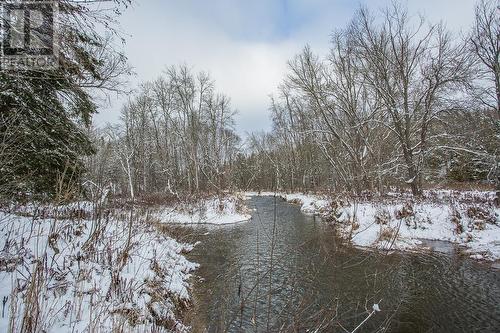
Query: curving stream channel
303	279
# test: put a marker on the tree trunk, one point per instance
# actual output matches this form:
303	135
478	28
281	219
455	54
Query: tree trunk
415	189
413	173
497	199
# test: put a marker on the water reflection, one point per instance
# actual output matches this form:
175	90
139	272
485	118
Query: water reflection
313	282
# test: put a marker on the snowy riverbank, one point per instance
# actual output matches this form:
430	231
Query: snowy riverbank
398	222
78	267
213	210
68	270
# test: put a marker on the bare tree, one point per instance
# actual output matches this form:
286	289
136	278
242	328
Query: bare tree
485	46
176	137
413	69
484	41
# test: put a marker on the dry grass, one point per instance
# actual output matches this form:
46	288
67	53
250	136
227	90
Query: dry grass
461	186
387	234
405	211
66	255
456	220
382	217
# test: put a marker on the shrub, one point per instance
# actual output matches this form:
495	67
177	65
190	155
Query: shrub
387	234
382	217
456	220
405	211
481	213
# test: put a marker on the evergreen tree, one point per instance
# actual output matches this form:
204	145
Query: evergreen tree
44	113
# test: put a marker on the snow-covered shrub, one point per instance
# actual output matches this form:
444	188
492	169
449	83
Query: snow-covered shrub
92	275
405	211
386	234
333	212
481	213
456	220
295	201
478	216
382	216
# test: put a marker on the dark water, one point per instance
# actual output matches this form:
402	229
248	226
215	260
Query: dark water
304	280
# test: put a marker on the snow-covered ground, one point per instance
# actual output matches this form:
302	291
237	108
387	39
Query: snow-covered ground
90	275
78	268
464	217
226	210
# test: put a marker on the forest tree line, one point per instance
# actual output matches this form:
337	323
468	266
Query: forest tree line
176	137
397	101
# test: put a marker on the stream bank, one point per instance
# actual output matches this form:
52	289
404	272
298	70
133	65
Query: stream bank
398	221
315	281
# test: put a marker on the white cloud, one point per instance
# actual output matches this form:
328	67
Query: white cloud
245	45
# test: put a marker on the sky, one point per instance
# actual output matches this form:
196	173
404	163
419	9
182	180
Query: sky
245	44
